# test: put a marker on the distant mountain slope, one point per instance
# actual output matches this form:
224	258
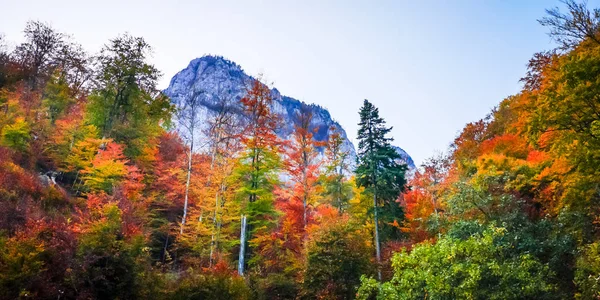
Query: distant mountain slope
405	158
223	80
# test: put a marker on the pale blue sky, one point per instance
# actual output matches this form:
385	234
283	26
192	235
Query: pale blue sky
430	66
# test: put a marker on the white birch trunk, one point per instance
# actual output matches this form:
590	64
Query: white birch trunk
187	184
242	256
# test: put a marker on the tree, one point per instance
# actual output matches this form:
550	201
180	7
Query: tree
588	270
57	98
222	135
46	53
107	258
35	260
107	169
16	135
37	55
8	67
378	170
220	131
422	200
125	103
167	189
188	118
480	266
301	162
337	190
337	256
256	170
571	29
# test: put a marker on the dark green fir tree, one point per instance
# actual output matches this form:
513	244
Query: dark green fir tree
381	173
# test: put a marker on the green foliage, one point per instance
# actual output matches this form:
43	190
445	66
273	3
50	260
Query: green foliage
478	267
337	190
126	105
57	98
213	285
587	276
378	169
21	263
257	179
337	255
107	169
552	242
16	135
108	262
276	286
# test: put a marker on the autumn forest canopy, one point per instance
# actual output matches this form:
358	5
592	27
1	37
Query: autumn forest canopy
110	190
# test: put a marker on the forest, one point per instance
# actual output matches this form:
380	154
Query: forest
101	198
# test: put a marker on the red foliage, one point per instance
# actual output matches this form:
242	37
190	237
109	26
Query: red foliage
262	124
170	147
466	145
20	191
302	165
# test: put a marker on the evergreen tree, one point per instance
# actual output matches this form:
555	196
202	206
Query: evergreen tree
379	172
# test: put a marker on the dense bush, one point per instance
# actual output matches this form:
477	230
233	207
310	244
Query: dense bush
338	254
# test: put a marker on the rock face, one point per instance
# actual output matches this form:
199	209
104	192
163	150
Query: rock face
405	158
223	81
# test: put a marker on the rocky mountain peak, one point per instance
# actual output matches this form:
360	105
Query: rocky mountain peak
221	80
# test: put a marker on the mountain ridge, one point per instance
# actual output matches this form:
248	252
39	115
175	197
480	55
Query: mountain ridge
221	79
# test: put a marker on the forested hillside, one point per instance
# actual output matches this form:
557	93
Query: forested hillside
101	198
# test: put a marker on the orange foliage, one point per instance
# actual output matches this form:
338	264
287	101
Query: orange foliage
506	144
418	204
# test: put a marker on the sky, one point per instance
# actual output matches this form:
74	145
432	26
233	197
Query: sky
429	66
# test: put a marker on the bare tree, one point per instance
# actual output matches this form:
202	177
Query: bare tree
189	120
37	54
74	65
535	69
47	52
4	61
569	29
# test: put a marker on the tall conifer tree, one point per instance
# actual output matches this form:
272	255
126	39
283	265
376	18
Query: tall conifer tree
378	170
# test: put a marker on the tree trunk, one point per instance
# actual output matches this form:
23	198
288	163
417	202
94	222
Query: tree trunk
305	204
213	233
212	236
187	185
305	186
164	253
219	219
244	227
242	256
377	249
